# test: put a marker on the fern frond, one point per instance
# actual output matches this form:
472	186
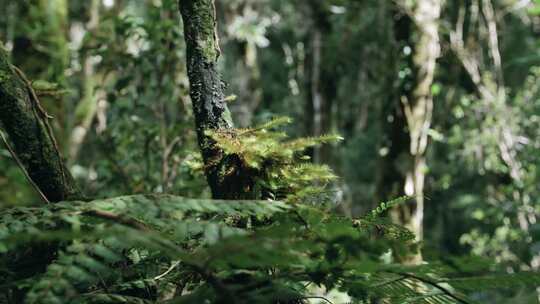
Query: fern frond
384	206
274	123
496	281
117	250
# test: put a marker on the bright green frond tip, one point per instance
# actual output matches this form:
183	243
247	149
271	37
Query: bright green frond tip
384	206
275	122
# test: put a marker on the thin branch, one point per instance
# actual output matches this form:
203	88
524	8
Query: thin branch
23	169
173	266
491	24
318	298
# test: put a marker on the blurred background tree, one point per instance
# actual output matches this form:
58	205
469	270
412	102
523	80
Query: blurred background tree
112	74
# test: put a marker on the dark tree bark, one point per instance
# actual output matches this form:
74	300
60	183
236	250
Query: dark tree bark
225	174
323	77
33	142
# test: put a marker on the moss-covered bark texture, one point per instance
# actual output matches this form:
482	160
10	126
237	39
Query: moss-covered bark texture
225	176
32	141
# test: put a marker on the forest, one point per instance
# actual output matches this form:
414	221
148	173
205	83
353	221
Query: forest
270	151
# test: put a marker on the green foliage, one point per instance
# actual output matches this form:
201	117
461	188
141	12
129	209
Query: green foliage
279	165
44	88
169	249
385	206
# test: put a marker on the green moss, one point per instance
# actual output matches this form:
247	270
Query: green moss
3	76
228	117
208	49
5	71
204	14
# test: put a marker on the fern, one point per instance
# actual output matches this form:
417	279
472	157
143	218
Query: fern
152	249
279	165
170	249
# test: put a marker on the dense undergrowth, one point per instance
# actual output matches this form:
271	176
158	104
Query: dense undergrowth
284	249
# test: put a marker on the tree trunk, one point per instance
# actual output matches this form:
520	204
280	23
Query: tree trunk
34	145
225	175
249	91
322	81
86	110
418	109
315	89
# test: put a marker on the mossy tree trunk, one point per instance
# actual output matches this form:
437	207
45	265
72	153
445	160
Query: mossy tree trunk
34	146
225	174
31	136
